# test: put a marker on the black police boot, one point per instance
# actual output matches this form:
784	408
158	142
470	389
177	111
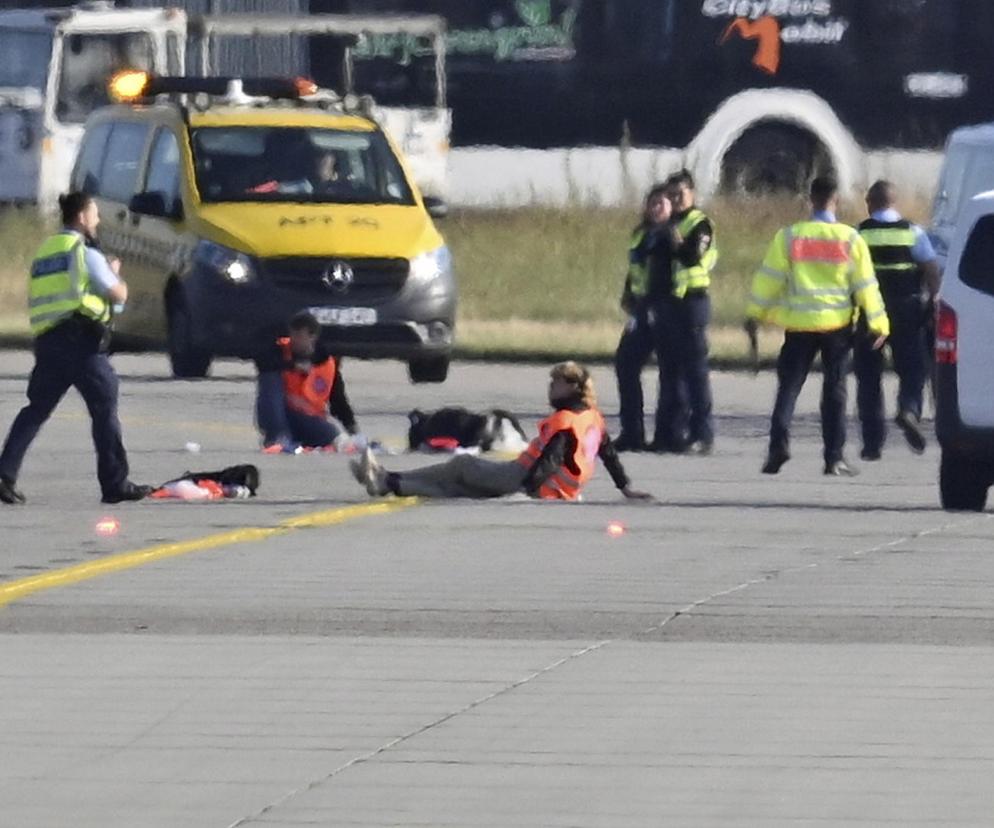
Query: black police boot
9	492
840	468
128	491
774	460
911	428
628	442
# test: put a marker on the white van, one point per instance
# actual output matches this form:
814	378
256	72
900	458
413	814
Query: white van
53	74
967	169
964	354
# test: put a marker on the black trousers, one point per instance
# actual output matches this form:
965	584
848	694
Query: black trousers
648	333
908	348
690	343
71	355
796	356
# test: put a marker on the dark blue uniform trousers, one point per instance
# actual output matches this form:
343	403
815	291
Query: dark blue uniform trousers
71	355
687	342
908	350
638	342
796	356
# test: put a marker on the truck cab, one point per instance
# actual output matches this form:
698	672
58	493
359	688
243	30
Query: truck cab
56	63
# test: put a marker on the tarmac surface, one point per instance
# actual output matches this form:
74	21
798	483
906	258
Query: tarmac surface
752	650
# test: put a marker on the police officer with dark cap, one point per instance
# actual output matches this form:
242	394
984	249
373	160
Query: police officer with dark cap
72	292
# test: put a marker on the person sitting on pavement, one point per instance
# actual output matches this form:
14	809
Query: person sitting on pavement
555	466
299	384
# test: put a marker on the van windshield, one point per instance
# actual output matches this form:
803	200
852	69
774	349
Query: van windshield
25	59
297	164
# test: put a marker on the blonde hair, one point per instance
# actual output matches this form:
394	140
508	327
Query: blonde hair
575	374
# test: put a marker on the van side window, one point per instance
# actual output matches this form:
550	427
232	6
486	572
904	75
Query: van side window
976	267
163	170
124	153
86	175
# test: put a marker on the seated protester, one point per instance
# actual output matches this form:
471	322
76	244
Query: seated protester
555	466
300	383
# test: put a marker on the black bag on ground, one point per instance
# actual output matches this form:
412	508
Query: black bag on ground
245	475
455	427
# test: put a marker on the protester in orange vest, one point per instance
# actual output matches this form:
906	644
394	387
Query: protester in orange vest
300	383
555	466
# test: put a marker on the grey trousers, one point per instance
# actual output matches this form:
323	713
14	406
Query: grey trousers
464	476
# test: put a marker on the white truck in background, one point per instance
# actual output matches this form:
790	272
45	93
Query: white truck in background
54	72
420	131
57	62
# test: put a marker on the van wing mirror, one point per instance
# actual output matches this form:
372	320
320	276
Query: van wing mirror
436	207
154	204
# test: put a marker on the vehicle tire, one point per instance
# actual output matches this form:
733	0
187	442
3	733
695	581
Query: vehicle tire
188	361
773	158
963	482
428	369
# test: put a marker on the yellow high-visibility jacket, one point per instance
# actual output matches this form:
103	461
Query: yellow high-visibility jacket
697	277
60	285
814	276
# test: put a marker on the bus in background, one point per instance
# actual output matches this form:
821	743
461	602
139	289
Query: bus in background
54	73
750	94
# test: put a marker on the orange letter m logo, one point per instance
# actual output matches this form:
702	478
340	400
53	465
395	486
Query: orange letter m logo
767	31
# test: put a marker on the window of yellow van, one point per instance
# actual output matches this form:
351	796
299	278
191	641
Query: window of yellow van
300	164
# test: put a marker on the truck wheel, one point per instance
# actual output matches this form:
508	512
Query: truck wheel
188	361
963	482
428	369
773	158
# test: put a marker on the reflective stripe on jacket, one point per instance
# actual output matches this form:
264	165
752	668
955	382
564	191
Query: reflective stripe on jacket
60	285
697	277
588	429
891	244
308	392
813	275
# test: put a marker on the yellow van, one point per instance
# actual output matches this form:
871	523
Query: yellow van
263	199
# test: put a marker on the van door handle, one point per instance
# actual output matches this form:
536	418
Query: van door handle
122	215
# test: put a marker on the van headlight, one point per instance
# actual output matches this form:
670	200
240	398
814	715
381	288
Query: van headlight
432	265
229	264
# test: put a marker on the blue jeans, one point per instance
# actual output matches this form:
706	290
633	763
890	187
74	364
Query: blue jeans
280	424
70	356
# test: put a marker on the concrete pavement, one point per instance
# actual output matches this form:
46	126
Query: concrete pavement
753	651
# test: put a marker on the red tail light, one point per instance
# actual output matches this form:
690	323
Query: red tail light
945	334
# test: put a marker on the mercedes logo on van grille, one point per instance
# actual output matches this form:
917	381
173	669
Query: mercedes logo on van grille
338	276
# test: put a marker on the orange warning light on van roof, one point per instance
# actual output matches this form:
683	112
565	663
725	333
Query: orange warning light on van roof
128	85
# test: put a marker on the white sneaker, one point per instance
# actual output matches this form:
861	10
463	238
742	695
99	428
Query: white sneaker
370	474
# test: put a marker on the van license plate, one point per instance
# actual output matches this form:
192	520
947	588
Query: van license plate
344	316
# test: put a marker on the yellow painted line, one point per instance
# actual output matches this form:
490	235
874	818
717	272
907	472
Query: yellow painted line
15	590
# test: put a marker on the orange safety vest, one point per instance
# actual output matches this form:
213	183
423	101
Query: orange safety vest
588	429
307	393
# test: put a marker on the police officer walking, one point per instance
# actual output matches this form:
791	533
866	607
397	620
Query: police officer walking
909	280
686	317
73	288
813	275
649	280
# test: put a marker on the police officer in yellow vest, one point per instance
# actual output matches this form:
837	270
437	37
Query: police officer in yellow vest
649	280
814	275
71	296
909	280
686	372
